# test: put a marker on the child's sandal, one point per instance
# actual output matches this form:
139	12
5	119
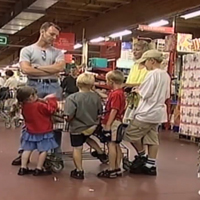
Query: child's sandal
107	174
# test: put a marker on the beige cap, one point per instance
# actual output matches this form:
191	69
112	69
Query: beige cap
151	54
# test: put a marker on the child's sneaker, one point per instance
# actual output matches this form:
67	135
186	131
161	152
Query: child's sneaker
102	157
77	174
41	172
119	172
25	171
107	174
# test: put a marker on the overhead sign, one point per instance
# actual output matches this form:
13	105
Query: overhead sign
65	41
111	50
3	40
163	29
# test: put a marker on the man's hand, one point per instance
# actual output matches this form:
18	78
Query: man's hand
107	128
135	90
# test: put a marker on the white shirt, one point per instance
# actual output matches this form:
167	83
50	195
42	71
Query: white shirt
1	81
11	82
154	91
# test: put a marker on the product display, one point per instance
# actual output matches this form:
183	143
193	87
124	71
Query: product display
190	98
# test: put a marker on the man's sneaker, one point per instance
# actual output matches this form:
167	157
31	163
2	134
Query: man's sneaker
149	171
77	174
25	171
137	164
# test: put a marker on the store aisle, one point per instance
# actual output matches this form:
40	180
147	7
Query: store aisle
176	179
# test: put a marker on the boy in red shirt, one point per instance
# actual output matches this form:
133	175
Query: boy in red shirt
114	112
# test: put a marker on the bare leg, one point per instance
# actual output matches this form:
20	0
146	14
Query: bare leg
112	154
153	151
25	158
119	156
77	157
42	157
94	145
138	146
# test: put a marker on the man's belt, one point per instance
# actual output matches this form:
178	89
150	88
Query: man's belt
44	80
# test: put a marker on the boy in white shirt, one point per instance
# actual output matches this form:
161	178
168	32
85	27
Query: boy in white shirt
151	111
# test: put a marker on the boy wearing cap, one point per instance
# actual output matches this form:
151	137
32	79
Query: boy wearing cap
150	112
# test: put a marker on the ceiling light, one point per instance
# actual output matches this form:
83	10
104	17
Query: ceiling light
120	34
64	51
191	15
99	39
159	23
77	46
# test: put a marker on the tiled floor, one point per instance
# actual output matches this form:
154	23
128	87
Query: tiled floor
176	179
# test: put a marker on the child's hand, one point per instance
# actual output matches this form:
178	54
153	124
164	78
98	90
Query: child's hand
50	96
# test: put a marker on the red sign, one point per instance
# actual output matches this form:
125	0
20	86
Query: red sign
65	41
167	30
111	51
68	58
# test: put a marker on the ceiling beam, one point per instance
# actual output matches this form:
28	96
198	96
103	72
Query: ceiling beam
138	11
18	7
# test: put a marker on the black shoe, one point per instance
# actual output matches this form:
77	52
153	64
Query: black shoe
77	174
107	174
17	161
149	171
126	164
137	164
23	171
41	172
119	172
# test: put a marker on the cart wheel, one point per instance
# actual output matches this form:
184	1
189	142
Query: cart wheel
57	167
18	123
8	125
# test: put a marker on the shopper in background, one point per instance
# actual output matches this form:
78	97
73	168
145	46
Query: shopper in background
135	77
1	80
151	111
11	82
69	82
41	62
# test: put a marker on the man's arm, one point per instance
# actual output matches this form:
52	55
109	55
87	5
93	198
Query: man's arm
57	67
25	64
53	69
29	70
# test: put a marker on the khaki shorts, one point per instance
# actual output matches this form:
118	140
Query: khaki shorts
114	129
138	130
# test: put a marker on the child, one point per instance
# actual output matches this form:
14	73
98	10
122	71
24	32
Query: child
114	112
38	132
82	110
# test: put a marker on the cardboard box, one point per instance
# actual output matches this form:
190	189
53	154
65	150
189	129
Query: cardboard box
179	42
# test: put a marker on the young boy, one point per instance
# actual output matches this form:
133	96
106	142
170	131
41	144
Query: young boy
82	110
114	112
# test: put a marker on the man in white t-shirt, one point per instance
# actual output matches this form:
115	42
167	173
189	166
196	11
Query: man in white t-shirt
151	111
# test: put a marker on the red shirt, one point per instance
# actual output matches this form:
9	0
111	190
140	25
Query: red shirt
37	115
116	100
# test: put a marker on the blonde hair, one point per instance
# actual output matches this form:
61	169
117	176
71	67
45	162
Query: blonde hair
85	80
115	76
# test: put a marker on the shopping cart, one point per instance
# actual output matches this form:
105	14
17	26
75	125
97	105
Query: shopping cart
9	111
55	161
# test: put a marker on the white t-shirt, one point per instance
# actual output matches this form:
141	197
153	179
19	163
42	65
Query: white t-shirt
154	91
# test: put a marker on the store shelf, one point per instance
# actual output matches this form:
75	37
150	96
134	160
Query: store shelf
103	86
101	78
102	69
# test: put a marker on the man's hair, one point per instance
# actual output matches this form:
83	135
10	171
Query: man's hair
47	25
85	80
9	73
115	76
24	93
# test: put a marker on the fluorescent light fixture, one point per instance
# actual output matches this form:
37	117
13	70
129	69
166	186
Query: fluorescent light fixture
191	15
99	39
162	22
64	51
120	34
77	46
